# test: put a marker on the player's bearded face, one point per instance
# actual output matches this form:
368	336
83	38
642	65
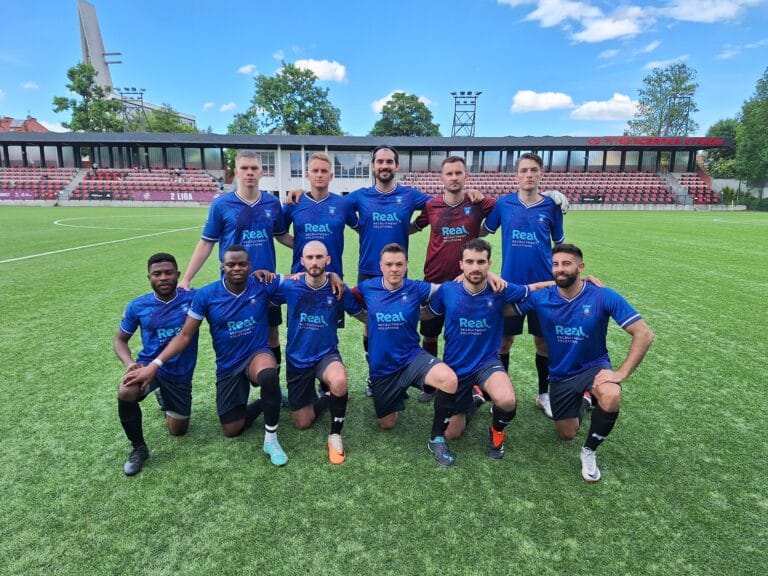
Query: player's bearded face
565	279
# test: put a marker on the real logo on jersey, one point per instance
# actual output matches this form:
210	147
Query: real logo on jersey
382	317
315	228
468	323
454	231
234	325
384	217
314	319
167	333
569	331
522	235
254	235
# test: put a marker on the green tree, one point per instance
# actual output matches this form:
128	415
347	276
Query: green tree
752	135
289	101
94	111
405	115
166	119
721	162
666	103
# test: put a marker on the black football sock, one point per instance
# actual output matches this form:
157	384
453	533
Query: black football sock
542	369
430	347
320	404
337	406
601	425
270	395
444	406
252	411
500	418
130	418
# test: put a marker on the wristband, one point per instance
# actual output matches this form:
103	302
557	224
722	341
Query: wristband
157	362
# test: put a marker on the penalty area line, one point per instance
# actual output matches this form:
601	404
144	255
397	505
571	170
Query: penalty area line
97	244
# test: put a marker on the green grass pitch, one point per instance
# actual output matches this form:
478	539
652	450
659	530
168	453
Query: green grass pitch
685	472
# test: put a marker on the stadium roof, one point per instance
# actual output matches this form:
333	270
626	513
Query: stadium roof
362	142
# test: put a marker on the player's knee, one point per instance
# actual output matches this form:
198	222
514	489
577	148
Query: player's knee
445	380
302	421
567	432
177	427
233	429
388	422
608	395
338	387
128	393
455	427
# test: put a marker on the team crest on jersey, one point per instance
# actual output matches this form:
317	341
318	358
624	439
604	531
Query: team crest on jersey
489	303
332	210
268	213
467	210
587	310
399	199
329	301
252	301
542	218
185	308
404	298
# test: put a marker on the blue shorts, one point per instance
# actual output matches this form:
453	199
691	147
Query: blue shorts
177	397
389	390
565	396
301	381
513	325
464	403
232	389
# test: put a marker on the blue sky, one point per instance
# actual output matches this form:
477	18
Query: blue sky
545	67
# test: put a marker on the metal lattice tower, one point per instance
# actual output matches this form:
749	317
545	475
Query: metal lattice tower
464	109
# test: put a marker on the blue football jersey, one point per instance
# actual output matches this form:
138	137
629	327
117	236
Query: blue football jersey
527	235
383	219
575	330
313	316
159	322
231	220
238	322
393	316
474	323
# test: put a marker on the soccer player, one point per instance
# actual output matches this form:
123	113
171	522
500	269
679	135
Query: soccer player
235	308
474	323
453	219
248	217
574	316
312	349
530	223
396	359
159	314
319	215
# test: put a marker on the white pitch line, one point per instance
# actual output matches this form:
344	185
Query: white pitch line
96	244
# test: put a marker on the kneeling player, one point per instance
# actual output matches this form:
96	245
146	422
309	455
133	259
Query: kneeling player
236	310
312	349
574	316
160	315
474	325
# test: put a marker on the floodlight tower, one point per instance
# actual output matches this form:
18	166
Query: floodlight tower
133	105
464	109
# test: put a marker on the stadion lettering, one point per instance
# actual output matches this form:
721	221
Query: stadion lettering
655	141
17	195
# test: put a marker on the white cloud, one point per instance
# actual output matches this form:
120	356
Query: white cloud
30	85
608	54
324	69
53	126
208	105
619	107
378	105
248	69
602	29
707	11
227	107
552	12
728	53
758	44
662	63
530	101
648	48
279	55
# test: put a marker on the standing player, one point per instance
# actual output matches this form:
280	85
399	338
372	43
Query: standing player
312	349
319	215
396	359
474	324
248	217
574	316
530	223
453	219
235	308
160	315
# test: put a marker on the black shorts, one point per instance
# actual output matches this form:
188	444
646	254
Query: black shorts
232	391
275	315
431	328
177	397
388	391
565	396
479	377
513	325
301	381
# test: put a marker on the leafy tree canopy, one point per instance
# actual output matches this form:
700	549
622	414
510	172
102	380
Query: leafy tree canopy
405	115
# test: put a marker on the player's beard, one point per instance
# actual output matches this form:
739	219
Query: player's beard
566	280
390	175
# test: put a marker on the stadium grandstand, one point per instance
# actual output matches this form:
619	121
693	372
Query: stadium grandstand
620	171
